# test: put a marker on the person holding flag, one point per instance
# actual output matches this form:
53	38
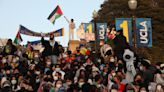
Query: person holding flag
51	48
71	28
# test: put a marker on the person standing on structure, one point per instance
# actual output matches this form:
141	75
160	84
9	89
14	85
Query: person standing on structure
71	28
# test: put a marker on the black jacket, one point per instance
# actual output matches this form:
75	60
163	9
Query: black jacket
50	50
120	45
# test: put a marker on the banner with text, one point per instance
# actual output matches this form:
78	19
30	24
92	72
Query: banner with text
102	30
143	32
89	32
126	25
26	31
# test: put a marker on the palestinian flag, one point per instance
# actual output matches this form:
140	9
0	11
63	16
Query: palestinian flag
18	38
55	14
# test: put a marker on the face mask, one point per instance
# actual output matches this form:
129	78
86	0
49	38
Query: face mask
55	78
130	90
139	81
104	73
94	74
90	82
149	87
120	65
159	87
51	38
8	75
114	90
99	60
101	68
37	80
113	74
143	91
65	55
112	60
162	71
69	83
81	84
36	62
78	51
17	58
37	72
19	53
4	61
141	68
57	69
58	85
13	82
14	60
36	56
98	85
48	63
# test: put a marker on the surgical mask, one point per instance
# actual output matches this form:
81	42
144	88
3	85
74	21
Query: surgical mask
36	56
130	91
149	87
68	83
141	68
90	82
48	63
37	72
162	71
114	90
14	60
57	69
4	61
65	55
98	86
143	91
58	85
113	74
37	80
19	53
159	87
112	60
99	60
101	68
36	62
104	73
17	58
81	84
13	82
55	78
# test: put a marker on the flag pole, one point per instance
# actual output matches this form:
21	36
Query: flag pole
66	19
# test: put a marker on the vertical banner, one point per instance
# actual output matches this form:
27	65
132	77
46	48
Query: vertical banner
81	32
143	32
126	25
101	28
89	32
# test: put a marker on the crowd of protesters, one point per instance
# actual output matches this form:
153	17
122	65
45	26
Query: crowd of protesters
56	70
